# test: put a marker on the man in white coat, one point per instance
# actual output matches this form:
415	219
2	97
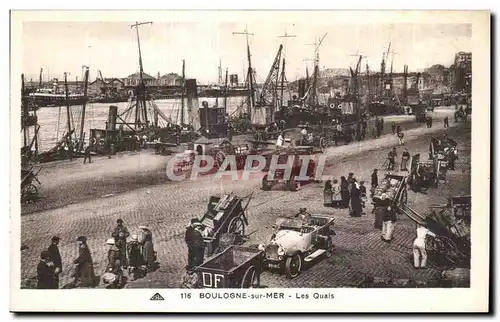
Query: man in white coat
279	141
419	252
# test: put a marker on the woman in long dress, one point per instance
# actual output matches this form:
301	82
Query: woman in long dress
336	196
148	252
355	200
327	194
344	192
84	275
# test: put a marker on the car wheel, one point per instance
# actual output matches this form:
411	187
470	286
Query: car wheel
293	266
266	185
294	185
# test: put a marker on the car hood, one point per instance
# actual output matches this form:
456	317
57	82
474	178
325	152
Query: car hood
288	239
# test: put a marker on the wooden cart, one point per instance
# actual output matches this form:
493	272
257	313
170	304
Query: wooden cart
443	150
425	174
28	189
400	195
225	217
235	267
451	224
396	199
280	176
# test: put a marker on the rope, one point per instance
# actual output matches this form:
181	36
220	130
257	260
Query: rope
58	122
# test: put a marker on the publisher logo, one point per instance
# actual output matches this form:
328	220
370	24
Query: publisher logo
157	297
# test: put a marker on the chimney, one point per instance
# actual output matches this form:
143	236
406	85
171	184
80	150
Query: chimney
113	112
302	88
192	103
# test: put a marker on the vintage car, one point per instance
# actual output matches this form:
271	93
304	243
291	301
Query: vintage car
298	240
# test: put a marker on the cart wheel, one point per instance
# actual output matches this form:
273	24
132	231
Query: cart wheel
323	144
404	197
236	226
248	278
446	249
293	266
30	191
294	185
436	181
266	185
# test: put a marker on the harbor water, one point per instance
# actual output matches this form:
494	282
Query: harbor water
53	120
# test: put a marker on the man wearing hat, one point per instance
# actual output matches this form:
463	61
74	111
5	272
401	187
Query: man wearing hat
45	271
84	272
374	180
194	241
135	259
55	257
120	234
389	219
148	253
114	264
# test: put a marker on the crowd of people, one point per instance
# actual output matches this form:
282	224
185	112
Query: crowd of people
348	194
137	255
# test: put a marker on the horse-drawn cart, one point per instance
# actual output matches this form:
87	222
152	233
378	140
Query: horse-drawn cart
315	137
28	189
424	174
444	150
235	267
451	224
225	221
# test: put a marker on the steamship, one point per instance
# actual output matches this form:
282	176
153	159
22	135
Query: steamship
48	97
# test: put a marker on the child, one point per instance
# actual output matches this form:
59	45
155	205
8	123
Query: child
362	194
190	279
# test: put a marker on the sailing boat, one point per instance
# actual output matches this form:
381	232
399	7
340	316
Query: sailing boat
306	107
70	144
141	118
386	101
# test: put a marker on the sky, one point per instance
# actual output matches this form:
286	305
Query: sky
111	47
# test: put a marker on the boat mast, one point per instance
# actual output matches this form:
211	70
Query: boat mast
85	87
183	89
68	112
313	99
40	80
250	81
141	89
25	111
225	93
283	67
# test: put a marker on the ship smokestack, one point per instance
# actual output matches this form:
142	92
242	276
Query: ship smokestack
302	88
113	112
193	108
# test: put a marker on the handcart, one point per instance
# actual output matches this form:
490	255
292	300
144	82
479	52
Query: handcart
29	191
235	267
226	216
